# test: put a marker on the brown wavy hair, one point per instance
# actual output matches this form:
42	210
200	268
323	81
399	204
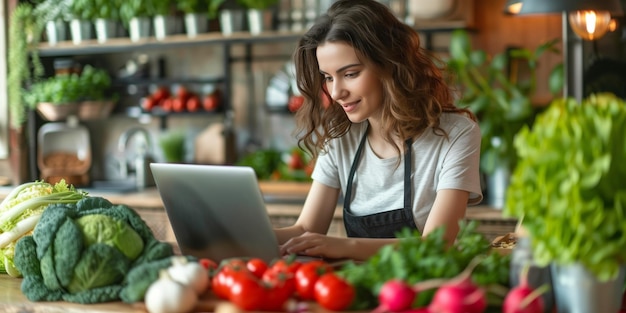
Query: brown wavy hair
415	90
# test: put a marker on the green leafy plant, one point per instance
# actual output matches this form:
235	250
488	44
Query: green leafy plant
91	84
190	6
210	7
23	34
101	243
257	4
90	10
214	7
160	7
130	9
415	259
568	185
501	101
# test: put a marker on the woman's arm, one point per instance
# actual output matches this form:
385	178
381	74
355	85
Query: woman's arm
317	213
449	208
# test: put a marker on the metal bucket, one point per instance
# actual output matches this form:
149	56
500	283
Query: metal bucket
56	31
578	291
232	21
105	29
81	30
139	28
165	25
195	24
260	21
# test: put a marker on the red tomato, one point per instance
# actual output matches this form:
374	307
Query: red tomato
307	275
178	105
278	293
167	104
182	93
225	275
193	104
333	292
295	103
246	292
160	94
286	265
208	264
295	161
148	103
211	102
257	267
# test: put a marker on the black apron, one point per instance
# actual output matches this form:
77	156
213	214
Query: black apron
383	224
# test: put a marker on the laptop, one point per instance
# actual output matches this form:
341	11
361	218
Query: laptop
216	211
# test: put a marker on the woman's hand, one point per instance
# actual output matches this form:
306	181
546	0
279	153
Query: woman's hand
318	245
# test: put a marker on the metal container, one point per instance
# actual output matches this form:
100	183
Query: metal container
56	31
260	21
232	21
105	29
578	291
139	28
196	23
80	30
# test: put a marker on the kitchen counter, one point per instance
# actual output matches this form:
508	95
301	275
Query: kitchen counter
283	202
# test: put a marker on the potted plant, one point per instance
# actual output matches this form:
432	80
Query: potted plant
164	21
259	13
197	14
501	101
104	15
135	16
567	190
60	96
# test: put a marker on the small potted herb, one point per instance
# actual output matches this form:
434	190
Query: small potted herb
104	14
567	190
197	14
135	16
259	13
163	18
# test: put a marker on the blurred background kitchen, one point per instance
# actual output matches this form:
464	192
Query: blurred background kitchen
218	89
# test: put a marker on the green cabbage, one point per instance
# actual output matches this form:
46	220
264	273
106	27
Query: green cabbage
82	252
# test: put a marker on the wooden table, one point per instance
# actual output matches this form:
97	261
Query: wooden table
12	300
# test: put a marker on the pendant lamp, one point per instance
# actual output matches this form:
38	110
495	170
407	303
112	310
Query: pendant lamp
589	19
513	7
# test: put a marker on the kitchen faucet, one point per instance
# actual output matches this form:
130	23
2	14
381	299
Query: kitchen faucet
142	157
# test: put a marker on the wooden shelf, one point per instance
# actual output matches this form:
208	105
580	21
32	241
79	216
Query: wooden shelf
124	44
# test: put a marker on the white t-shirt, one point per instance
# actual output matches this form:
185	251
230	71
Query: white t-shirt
378	184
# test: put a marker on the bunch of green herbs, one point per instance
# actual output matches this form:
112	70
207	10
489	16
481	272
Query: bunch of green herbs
568	186
416	258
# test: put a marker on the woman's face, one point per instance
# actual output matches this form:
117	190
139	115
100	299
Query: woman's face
350	82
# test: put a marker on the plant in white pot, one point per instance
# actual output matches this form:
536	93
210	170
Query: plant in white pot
260	14
501	100
135	16
568	190
163	18
104	14
198	13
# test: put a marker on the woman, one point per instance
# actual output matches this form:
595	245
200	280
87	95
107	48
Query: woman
390	140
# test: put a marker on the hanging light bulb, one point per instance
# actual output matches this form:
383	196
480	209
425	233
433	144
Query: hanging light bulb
589	24
513	7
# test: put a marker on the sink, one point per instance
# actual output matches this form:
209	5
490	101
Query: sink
112	186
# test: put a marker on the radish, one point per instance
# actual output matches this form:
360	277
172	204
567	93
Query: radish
523	298
395	296
459	294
